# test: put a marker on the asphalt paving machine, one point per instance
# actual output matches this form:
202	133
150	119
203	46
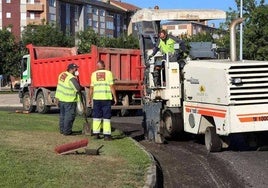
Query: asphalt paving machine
215	98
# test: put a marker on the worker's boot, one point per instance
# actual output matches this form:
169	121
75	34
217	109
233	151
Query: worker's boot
108	138
97	136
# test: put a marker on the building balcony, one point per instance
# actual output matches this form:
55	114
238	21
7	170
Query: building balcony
36	21
35	7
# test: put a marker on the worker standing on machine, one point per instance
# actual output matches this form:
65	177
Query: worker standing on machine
165	44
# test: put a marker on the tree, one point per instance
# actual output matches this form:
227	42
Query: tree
88	37
254	26
256	34
46	35
10	54
202	37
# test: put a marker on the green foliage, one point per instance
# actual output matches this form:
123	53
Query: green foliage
202	37
10	54
88	37
46	35
255	29
255	34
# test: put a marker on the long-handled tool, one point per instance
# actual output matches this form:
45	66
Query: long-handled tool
86	127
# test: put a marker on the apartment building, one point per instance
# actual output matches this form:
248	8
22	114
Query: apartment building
108	18
189	28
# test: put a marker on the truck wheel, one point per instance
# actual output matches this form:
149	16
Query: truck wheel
212	140
26	102
40	103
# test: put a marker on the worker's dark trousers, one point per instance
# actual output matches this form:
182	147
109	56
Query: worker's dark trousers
102	116
67	116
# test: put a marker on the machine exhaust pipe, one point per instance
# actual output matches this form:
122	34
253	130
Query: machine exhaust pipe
233	38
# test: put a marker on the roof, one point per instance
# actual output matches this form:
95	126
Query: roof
124	6
104	5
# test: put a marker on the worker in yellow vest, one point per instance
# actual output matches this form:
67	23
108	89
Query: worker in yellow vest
67	97
101	93
165	44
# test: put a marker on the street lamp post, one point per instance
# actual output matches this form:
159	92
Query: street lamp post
241	31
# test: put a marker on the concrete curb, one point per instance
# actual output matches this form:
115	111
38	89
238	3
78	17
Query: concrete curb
151	178
11	105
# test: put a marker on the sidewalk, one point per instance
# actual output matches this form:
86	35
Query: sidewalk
10	100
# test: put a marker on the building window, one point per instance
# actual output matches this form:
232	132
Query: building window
23	16
170	27
8	1
52	3
109	25
32	16
95	24
102	12
102	31
110	14
95	11
102	19
102	25
8	15
52	17
89	9
30	1
89	22
182	26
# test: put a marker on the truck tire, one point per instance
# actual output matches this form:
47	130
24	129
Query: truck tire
40	104
26	103
212	140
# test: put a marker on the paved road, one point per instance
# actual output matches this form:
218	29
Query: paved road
185	163
10	100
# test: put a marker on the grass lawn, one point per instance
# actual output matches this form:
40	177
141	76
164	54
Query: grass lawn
28	159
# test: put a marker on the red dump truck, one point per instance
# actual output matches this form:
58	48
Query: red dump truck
42	66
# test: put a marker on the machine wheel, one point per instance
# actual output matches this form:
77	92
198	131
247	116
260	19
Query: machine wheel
40	104
212	140
26	102
172	123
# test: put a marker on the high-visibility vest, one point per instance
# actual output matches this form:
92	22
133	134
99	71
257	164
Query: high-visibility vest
66	91
101	80
167	47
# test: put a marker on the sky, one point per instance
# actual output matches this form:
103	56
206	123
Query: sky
186	4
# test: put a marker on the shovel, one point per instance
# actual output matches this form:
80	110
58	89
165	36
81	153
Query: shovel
93	151
86	127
